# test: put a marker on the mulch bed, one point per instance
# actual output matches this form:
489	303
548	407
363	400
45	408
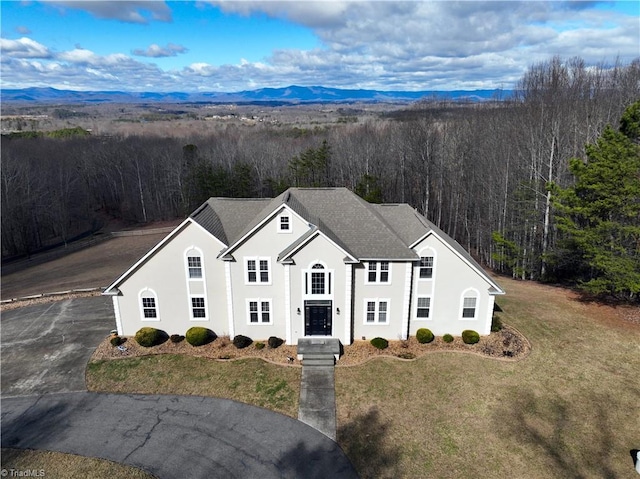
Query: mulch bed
506	345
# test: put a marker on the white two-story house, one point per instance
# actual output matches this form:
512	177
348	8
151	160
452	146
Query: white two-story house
311	262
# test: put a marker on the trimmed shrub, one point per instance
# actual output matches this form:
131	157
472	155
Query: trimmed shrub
199	336
380	343
259	345
116	341
241	341
447	338
275	342
470	337
176	338
496	324
424	335
148	337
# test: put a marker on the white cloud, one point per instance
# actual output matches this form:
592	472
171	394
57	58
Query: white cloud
124	11
22	30
23	48
156	51
380	45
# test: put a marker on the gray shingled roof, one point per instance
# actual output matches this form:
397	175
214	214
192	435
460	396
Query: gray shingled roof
364	230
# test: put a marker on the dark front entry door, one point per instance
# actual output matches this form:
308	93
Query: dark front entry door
317	315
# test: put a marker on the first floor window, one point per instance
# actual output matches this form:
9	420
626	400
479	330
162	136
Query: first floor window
469	308
424	306
149	308
197	308
259	311
377	311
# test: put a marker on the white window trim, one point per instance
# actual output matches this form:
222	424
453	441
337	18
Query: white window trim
418	297
423	253
378	272
187	254
257	259
149	293
206	309
284	214
376	321
329	281
467	294
259	301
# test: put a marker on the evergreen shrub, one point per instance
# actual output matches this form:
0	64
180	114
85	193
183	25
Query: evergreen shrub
424	335
380	343
447	338
470	337
275	342
199	336
241	341
148	337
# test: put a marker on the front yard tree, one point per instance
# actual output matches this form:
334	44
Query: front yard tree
600	214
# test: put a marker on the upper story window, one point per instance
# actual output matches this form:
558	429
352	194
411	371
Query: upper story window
284	223
426	267
195	267
378	272
317	280
194	264
258	270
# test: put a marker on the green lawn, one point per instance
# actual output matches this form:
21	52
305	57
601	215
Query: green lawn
569	410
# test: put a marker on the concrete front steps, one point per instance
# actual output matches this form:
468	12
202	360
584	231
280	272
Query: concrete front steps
317	387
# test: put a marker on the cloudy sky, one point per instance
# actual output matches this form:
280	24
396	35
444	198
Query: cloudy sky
240	45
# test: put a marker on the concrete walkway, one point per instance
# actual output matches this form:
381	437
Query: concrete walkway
317	406
174	436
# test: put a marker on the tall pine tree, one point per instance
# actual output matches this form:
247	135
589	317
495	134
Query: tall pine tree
599	217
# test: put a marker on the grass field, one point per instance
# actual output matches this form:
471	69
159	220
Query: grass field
569	410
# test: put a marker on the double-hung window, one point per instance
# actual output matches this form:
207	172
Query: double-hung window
284	223
149	308
258	271
426	267
469	307
259	311
376	311
194	263
198	309
423	307
378	272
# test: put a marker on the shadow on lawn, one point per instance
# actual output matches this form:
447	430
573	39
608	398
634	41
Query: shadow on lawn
364	440
575	438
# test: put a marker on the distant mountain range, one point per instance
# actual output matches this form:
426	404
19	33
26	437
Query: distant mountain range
287	95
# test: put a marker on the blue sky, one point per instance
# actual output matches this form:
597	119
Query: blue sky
238	45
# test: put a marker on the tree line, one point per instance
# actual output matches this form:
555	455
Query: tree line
483	172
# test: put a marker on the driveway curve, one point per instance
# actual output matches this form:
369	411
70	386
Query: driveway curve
45	405
174	436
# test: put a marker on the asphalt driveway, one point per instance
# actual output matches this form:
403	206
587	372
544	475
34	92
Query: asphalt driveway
45	347
174	436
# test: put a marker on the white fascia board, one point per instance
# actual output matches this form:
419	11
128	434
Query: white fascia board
311	237
110	289
496	288
265	220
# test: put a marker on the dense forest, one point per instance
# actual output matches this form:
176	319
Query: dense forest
497	176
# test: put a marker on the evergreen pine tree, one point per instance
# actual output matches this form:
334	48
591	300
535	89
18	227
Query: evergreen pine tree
600	215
